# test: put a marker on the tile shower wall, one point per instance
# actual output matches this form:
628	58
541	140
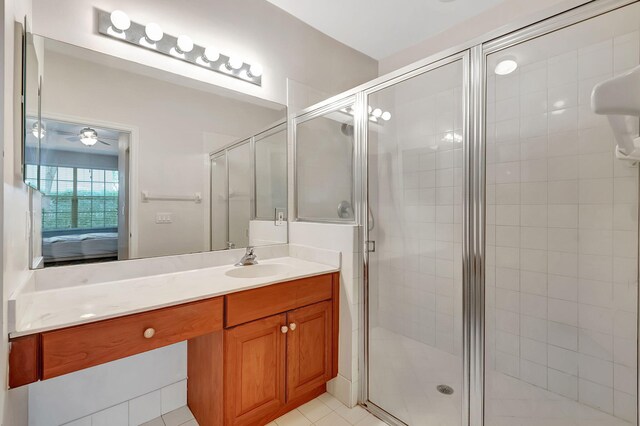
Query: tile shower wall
562	231
416	197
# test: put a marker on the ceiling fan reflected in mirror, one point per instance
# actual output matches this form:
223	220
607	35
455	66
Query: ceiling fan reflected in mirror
38	130
88	137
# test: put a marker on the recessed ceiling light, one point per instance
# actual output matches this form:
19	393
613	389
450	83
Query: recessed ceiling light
506	66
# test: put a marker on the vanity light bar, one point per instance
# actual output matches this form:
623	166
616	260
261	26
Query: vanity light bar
118	25
376	115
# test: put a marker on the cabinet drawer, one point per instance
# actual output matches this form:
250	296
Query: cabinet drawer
83	346
24	360
262	302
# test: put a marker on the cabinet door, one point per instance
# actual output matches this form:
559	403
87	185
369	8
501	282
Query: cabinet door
308	348
254	370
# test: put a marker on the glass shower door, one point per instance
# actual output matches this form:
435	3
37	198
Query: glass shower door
562	231
415	157
240	184
219	202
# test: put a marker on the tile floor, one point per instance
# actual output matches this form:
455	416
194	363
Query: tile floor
325	410
404	383
180	417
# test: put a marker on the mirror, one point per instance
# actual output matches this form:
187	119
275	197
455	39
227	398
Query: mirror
325	156
252	175
32	131
271	174
136	162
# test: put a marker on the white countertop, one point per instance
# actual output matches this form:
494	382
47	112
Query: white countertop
39	311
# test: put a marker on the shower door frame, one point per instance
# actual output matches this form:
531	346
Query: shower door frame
362	99
574	16
474	202
474	52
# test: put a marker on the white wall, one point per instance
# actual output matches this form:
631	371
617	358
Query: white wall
73	396
13	404
505	15
175	129
265	232
255	29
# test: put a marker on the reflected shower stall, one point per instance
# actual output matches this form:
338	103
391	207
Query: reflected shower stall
248	191
500	278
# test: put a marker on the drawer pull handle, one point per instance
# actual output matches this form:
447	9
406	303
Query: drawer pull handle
292	326
149	332
284	329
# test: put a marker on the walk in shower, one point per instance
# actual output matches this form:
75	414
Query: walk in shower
500	274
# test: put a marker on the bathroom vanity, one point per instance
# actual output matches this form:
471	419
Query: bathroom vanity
262	339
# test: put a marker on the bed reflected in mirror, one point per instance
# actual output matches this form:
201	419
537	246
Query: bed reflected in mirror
83	171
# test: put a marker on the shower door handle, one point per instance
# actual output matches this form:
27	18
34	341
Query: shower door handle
371	246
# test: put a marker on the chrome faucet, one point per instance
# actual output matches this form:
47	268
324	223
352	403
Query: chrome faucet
249	258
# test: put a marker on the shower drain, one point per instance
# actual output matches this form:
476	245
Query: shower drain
444	389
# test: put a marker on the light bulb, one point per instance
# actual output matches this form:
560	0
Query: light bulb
235	63
88	136
38	130
120	21
255	70
506	66
153	32
386	116
377	112
211	54
184	44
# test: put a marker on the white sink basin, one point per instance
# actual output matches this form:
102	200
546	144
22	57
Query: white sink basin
257	271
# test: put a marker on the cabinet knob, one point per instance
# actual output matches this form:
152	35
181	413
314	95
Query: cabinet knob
292	326
284	329
149	332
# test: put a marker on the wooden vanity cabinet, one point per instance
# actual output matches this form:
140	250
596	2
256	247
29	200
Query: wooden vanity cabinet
275	364
76	348
252	355
254	372
309	344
